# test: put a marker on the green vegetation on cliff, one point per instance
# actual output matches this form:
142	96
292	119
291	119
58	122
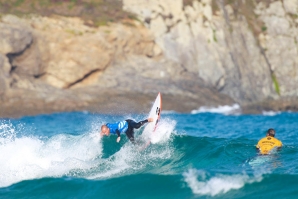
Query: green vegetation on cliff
93	12
275	82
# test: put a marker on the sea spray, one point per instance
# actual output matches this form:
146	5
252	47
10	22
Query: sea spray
29	157
7	132
163	131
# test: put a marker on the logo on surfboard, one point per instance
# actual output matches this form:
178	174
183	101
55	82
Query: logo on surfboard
157	112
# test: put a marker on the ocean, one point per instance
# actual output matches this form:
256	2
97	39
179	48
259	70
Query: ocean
208	153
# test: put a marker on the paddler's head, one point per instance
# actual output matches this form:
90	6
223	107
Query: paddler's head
104	130
271	132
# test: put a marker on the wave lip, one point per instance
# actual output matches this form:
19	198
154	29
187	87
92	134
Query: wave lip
200	184
226	109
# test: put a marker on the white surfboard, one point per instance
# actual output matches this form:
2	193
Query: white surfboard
155	114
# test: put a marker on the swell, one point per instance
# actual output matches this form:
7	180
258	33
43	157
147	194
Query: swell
89	157
182	151
86	156
210	153
147	186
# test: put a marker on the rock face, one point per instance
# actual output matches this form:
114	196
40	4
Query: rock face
280	42
65	65
4	73
220	45
203	54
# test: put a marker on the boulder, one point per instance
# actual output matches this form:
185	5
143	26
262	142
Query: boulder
14	39
29	62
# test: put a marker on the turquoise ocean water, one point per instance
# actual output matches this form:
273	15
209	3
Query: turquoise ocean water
199	155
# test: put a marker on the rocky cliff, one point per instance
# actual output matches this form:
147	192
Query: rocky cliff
196	53
245	49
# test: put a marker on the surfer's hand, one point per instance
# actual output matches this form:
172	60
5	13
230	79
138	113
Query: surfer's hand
150	119
118	139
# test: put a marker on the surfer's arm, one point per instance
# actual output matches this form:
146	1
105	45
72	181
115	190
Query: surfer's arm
118	132
118	135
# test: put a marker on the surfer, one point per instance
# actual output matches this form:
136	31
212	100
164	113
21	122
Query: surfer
126	127
266	144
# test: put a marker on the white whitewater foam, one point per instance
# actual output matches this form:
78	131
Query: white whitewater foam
199	183
24	158
234	109
270	113
163	131
29	157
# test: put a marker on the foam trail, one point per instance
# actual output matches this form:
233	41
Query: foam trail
220	109
200	184
264	164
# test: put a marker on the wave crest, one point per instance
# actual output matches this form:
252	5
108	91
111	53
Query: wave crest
201	184
226	110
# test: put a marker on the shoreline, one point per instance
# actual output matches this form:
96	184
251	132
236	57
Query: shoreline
270	108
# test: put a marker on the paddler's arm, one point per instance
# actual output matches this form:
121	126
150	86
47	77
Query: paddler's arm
258	147
280	145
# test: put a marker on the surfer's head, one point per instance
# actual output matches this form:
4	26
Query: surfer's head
271	132
104	130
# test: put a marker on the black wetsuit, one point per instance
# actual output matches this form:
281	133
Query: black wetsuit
131	126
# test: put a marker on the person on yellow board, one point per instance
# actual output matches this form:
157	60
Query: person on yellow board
266	144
